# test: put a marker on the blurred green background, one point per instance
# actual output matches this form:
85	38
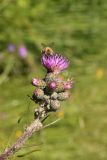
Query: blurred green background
78	30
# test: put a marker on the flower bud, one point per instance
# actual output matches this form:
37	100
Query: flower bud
52	85
38	83
54	105
54	95
68	85
64	85
38	93
59	88
63	96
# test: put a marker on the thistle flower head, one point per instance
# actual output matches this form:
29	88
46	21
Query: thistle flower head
55	63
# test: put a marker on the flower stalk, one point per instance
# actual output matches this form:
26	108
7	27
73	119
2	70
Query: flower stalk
35	126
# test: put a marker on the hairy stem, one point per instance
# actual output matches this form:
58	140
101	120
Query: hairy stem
35	126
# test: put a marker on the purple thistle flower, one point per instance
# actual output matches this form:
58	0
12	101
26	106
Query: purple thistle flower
55	63
11	48
22	51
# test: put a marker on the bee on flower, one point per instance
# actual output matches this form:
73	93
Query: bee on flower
53	62
47	51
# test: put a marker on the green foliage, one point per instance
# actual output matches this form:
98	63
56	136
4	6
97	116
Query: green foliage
75	27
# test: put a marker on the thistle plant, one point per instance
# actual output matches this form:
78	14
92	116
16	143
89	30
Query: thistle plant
48	93
52	89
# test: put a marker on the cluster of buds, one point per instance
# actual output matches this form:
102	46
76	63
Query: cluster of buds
52	89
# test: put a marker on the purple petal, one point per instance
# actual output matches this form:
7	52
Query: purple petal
55	62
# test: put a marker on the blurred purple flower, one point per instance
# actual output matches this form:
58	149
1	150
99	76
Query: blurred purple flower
55	63
11	48
22	51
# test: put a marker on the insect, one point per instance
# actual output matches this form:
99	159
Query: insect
47	51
